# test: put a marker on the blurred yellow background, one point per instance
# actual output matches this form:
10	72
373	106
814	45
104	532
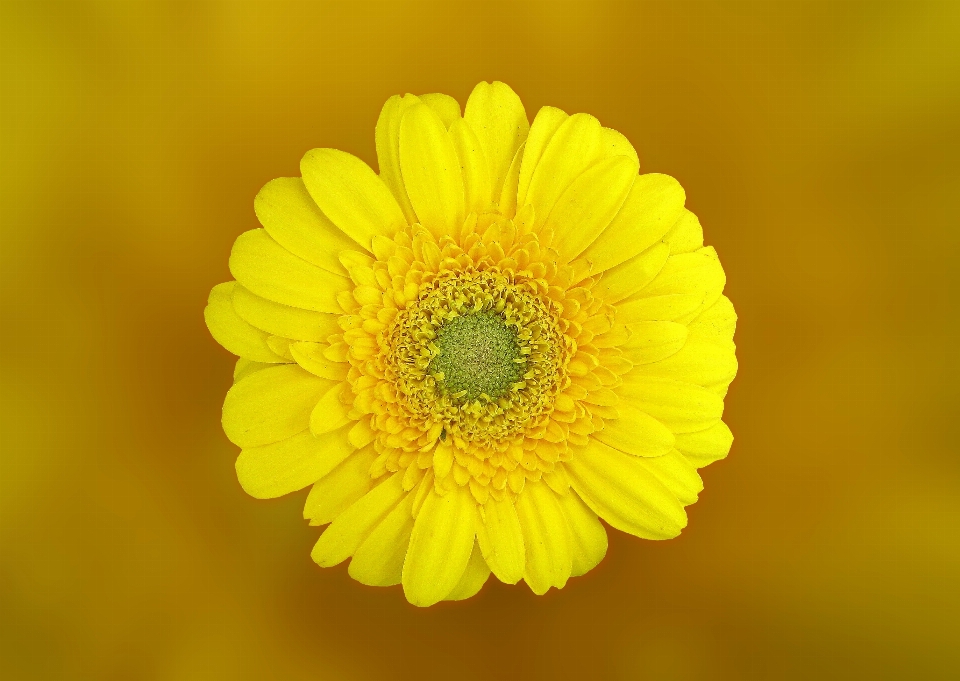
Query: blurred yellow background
818	142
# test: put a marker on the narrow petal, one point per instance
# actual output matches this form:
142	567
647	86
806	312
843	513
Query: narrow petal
588	538
495	113
626	279
501	540
446	107
574	147
289	465
440	546
636	433
697	272
379	560
474	577
330	412
703	447
269	270
271	405
290	216
663	308
361	434
653	206
245	367
280	346
588	205
333	493
388	140
388	150
653	341
545	125
620	489
478	195
507	204
678	475
312	358
431	171
614	143
231	331
686	235
681	407
698	362
345	534
716	324
545	537
283	320
351	195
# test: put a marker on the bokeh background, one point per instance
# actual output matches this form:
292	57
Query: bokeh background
818	142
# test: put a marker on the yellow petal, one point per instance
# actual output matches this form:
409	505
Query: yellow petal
703	447
588	538
636	433
473	168
388	150
231	331
614	143
280	346
351	195
659	308
622	491
283	320
574	147
354	525
245	367
716	324
678	475
698	362
686	235
507	203
282	467
431	171
545	125
332	494
548	557
653	341
442	459
271	405
626	279
361	434
440	546
697	272
588	205
501	540
474	577
379	560
681	407
446	107
650	210
495	113
269	270
330	412
310	356
290	216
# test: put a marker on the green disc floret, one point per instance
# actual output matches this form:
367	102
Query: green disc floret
478	356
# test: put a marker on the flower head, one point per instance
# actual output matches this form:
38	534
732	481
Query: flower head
473	355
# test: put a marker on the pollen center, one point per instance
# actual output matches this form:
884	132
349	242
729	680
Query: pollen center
479	355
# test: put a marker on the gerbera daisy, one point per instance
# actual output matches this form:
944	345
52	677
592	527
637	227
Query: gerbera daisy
473	355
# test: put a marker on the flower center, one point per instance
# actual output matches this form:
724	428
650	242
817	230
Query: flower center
479	356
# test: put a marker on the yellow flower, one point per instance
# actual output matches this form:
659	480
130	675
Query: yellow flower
471	356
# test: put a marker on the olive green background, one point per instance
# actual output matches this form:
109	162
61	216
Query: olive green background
818	143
